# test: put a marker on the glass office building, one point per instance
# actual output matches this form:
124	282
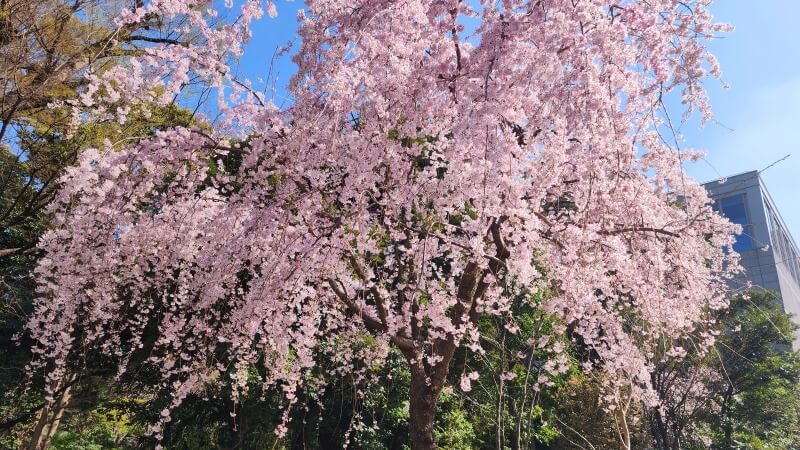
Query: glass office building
770	256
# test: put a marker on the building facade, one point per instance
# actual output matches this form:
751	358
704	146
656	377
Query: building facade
770	257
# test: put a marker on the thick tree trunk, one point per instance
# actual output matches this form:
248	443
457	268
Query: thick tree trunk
58	413
50	418
422	407
428	380
37	436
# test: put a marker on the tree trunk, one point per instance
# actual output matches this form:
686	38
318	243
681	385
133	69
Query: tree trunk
516	435
50	417
37	436
58	413
658	429
622	428
498	431
727	426
422	406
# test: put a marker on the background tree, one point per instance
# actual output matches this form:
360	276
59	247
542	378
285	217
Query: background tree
740	394
586	419
50	51
758	395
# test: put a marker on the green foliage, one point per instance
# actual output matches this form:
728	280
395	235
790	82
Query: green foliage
101	428
759	399
744	390
454	429
583	419
85	440
516	412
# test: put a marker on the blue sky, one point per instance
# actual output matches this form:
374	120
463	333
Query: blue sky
758	117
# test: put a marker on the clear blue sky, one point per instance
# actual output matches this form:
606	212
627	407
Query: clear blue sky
759	116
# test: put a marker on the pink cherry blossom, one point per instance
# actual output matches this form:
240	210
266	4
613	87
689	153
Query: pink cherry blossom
420	179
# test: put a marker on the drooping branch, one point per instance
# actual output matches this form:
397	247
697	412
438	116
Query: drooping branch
637	230
375	325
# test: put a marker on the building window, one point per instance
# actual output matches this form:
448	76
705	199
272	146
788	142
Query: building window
734	209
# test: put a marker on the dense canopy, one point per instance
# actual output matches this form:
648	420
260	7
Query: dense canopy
423	175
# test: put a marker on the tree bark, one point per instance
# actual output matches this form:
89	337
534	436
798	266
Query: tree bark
658	429
515	411
498	431
723	415
50	417
57	415
422	407
38	432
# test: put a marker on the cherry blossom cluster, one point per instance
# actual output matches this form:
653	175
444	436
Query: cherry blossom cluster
421	178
